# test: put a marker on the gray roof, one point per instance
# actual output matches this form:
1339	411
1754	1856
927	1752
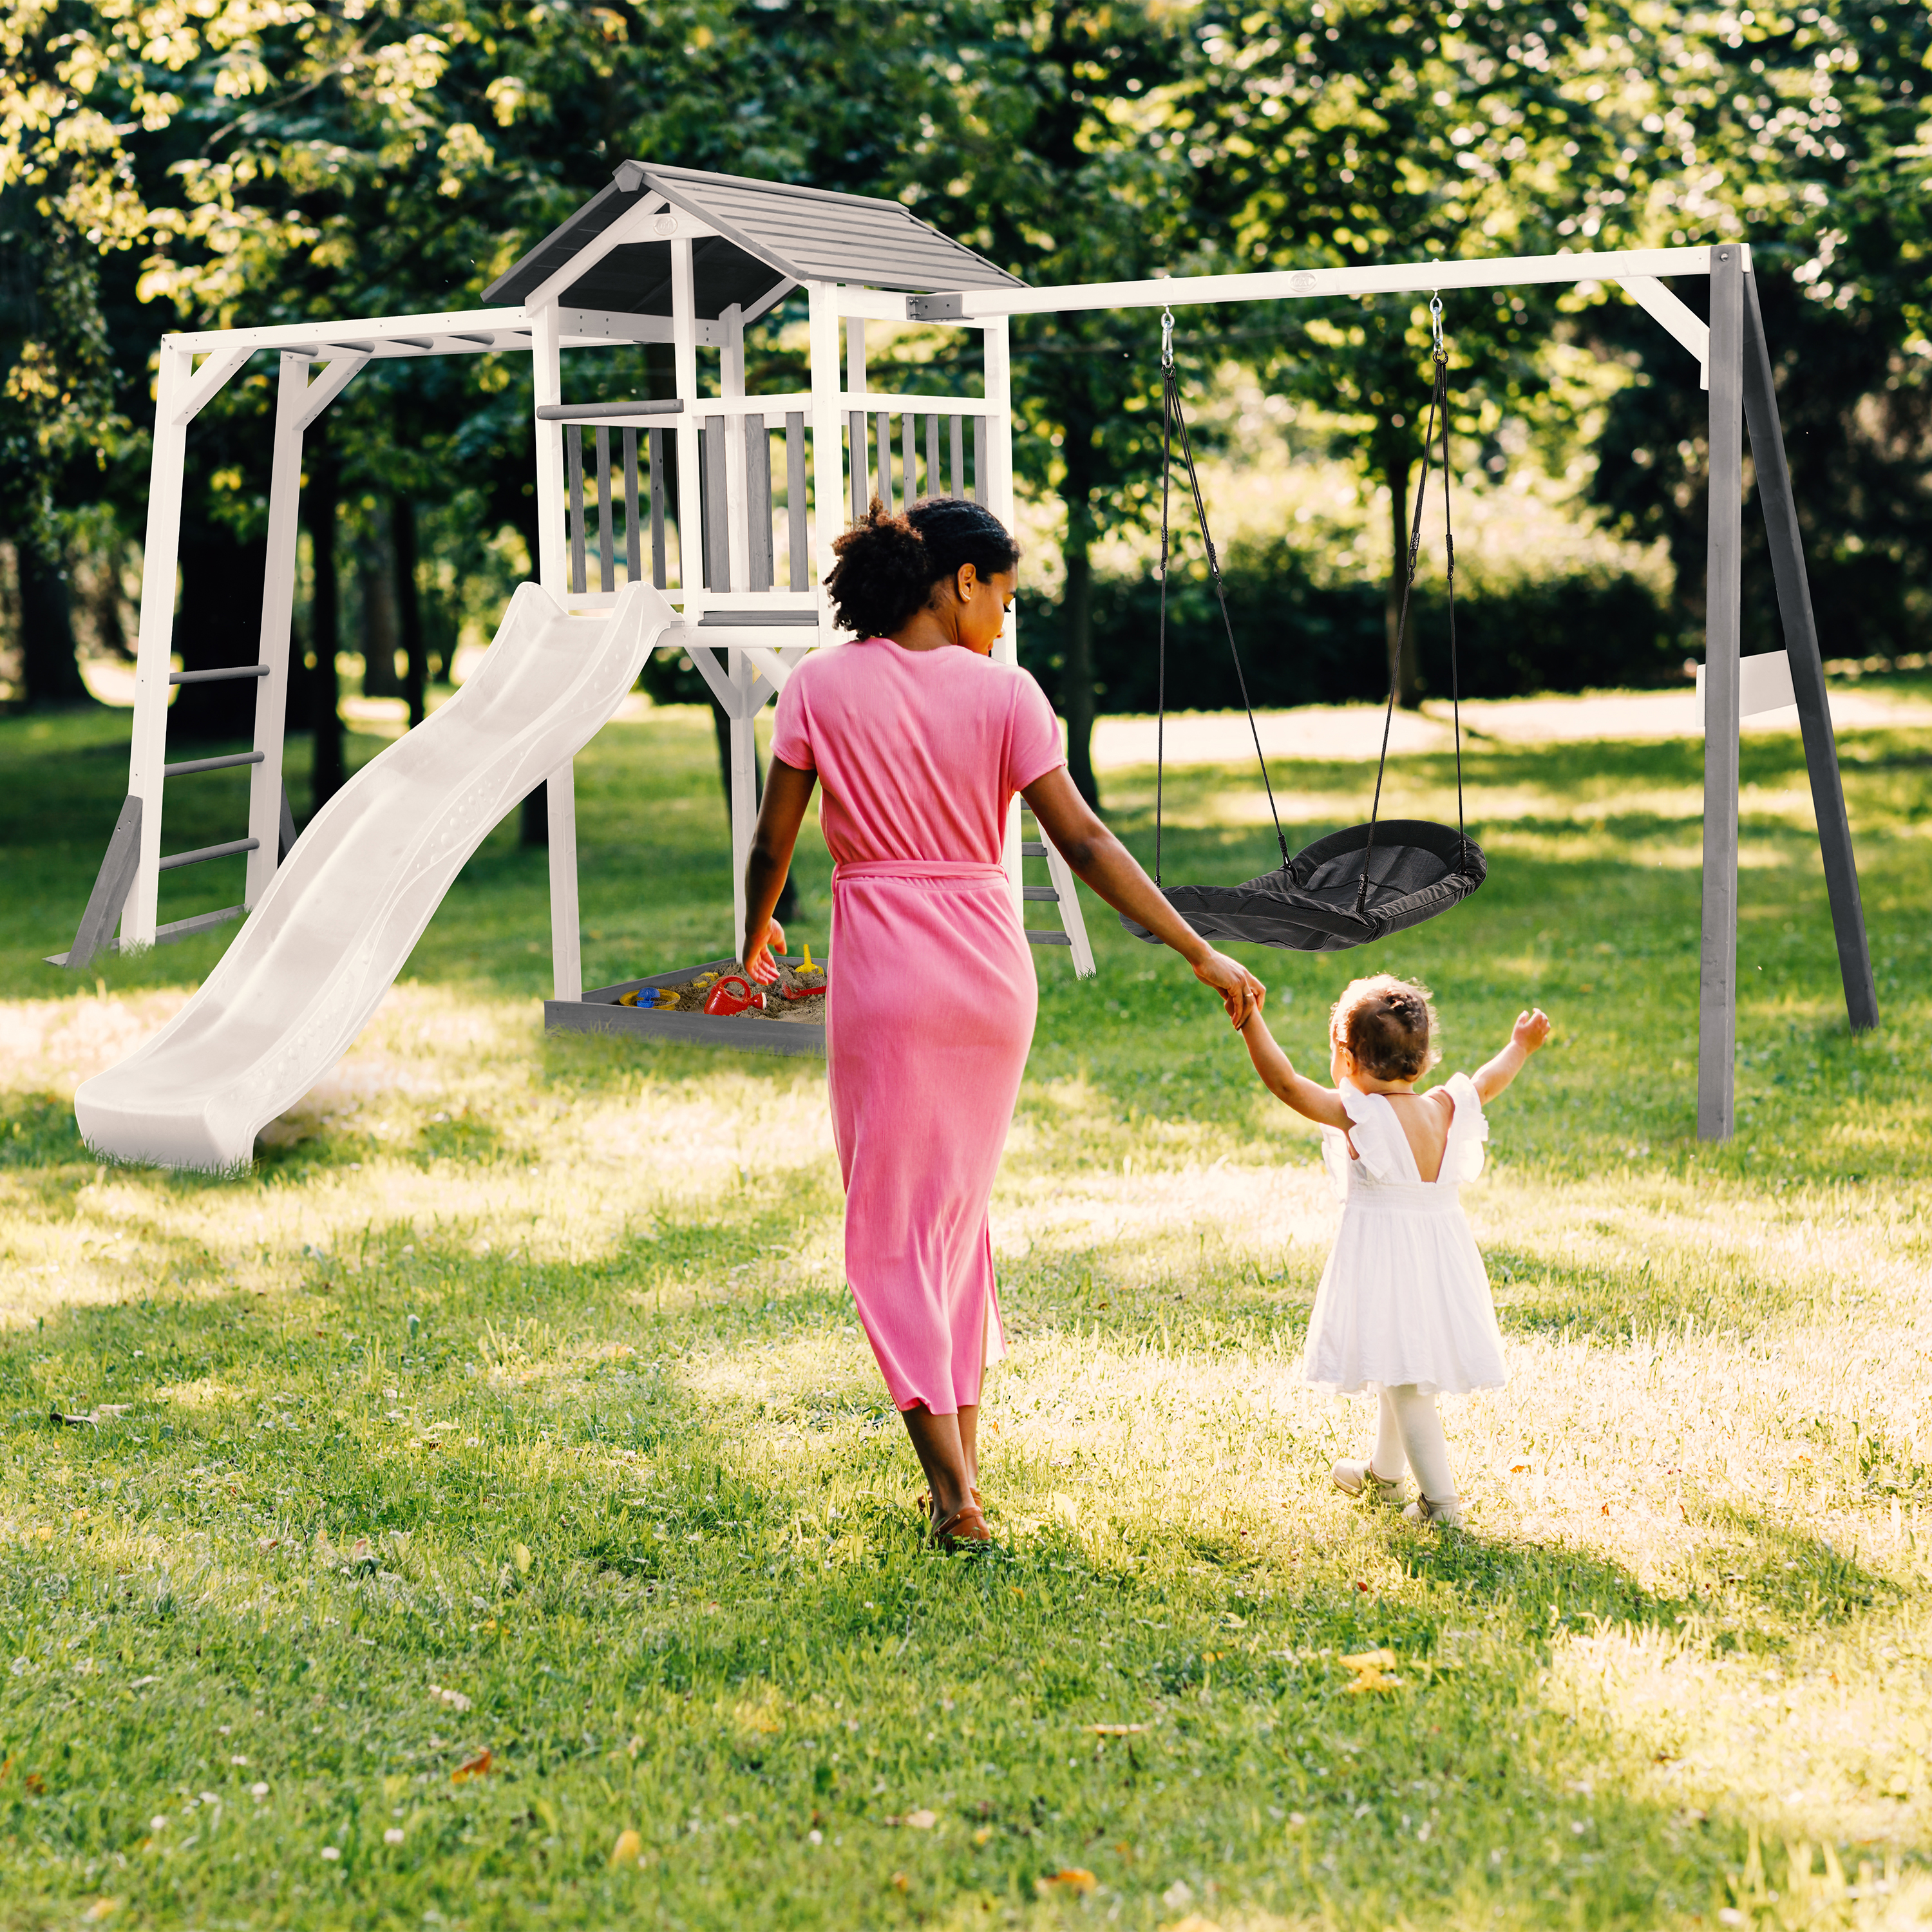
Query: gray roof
768	233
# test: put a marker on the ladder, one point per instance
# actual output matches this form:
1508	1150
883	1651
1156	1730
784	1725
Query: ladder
126	889
1061	892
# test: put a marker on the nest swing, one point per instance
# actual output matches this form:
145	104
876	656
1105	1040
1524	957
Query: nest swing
1369	880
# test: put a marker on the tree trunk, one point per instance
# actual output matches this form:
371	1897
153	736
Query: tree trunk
1076	676
1408	678
533	823
49	672
408	608
219	626
375	568
325	628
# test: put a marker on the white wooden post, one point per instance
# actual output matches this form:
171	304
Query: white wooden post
996	493
828	473
690	495
154	654
552	567
856	417
278	600
744	786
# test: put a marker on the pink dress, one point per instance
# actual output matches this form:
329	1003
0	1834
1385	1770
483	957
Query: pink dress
932	996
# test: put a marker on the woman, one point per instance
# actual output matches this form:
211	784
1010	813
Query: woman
922	740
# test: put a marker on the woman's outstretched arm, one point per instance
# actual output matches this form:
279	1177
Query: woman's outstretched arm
787	792
1099	858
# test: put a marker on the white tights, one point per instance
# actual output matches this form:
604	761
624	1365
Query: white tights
1409	1436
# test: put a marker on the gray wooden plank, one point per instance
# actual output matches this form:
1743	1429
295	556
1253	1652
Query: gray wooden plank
885	441
935	484
1717	990
111	884
634	537
717	526
1807	668
660	569
758	503
978	490
909	456
795	489
573	469
856	464
957	484
606	567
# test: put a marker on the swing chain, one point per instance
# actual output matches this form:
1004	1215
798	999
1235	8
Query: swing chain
1436	322
1167	339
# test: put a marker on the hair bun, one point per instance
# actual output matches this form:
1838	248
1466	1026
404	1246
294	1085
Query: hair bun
888	563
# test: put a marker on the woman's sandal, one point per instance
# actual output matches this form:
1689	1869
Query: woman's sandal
965	1525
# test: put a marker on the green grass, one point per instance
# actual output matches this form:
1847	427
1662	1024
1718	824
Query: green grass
514	1403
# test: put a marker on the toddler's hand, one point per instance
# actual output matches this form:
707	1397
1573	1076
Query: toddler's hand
1530	1031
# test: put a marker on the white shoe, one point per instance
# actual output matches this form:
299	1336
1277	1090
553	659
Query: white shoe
1353	1478
1448	1510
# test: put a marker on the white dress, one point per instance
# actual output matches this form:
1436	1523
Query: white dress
1405	1297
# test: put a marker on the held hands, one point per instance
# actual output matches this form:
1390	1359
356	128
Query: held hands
1530	1031
758	952
1241	993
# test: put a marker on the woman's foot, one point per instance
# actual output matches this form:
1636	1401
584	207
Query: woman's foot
1352	1479
965	1526
1449	1510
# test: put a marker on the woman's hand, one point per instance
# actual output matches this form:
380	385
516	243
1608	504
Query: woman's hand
758	952
1241	993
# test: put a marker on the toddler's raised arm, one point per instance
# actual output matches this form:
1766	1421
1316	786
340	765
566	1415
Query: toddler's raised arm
1530	1031
1320	1104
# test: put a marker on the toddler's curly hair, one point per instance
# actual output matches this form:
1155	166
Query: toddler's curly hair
1388	1025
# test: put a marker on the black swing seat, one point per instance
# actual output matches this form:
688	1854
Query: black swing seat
1416	869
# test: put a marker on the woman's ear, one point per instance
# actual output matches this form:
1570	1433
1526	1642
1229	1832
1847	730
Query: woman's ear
966	582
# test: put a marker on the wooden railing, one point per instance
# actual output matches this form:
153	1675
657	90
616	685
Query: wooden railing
622	489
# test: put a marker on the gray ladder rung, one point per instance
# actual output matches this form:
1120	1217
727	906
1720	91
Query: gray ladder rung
1031	848
175	929
215	677
1039	892
188	765
195	858
1036	937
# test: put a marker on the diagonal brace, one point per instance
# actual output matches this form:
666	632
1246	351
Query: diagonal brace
1807	669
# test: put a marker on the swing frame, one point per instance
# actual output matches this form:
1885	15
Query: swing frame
1735	368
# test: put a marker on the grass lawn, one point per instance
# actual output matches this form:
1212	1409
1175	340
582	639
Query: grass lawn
494	1518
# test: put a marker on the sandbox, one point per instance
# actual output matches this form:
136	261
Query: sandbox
783	1027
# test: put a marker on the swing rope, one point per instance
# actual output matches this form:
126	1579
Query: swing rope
1175	418
1438	411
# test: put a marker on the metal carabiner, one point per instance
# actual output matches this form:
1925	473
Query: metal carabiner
1167	338
1436	322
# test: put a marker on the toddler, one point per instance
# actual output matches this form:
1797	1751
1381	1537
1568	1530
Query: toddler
1404	1302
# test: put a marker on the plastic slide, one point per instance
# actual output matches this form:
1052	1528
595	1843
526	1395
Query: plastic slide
311	963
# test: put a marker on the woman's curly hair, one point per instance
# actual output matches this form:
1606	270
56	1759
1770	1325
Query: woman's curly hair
1388	1025
887	564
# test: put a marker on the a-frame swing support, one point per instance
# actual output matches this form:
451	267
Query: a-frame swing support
1736	369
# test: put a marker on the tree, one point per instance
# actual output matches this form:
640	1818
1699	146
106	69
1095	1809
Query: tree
1801	132
1329	135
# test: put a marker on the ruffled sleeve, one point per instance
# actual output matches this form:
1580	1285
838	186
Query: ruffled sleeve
1380	1144
1469	1129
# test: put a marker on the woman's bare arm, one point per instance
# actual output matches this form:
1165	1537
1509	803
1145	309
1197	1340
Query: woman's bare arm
1530	1031
787	792
1099	858
1320	1104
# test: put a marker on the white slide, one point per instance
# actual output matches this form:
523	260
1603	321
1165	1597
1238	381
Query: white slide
345	909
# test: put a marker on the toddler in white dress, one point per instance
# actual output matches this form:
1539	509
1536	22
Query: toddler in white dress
1404	1304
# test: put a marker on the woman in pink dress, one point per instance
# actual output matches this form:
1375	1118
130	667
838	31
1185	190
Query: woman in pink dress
921	740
